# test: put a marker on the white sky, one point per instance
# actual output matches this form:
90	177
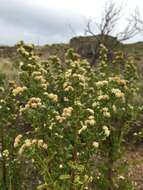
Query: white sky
50	21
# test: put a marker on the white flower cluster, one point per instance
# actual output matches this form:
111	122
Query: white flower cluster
67	87
106	130
95	144
5	153
84	127
90	121
78	103
17	140
117	93
33	103
106	112
53	97
66	114
36	73
68	73
79	77
91	111
95	104
103	97
39	77
114	108
23	51
18	90
101	83
30	142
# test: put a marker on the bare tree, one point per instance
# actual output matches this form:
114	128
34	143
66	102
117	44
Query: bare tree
108	28
109	21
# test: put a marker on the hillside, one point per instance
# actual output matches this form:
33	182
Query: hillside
82	45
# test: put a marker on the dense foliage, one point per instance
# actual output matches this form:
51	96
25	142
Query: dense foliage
68	121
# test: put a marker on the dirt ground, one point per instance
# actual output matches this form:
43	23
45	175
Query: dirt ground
135	159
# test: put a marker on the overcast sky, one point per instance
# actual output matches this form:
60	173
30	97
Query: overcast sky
53	21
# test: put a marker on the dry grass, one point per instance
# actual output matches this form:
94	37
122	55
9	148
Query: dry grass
6	67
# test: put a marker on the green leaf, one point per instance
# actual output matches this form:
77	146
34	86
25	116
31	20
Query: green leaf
64	177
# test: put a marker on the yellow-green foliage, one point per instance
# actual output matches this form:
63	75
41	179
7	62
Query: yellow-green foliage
73	113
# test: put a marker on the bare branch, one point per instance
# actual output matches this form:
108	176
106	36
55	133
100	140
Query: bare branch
89	30
131	28
137	18
109	18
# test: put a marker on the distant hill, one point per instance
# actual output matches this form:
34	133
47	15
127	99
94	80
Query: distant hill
84	45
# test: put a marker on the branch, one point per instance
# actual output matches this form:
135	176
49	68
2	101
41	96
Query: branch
130	30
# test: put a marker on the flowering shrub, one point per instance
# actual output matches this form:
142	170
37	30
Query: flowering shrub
75	118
